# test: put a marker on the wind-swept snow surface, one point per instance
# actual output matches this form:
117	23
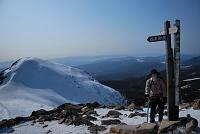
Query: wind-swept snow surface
33	83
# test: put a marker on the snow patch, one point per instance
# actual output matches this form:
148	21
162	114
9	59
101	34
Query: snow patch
192	79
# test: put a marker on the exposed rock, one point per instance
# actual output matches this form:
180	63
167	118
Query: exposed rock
45	126
76	120
111	106
113	114
137	114
196	104
95	128
44	118
165	127
191	124
7	123
110	122
88	117
171	126
118	107
92	112
18	120
39	113
49	131
70	107
185	105
147	128
131	107
87	109
93	105
124	129
103	106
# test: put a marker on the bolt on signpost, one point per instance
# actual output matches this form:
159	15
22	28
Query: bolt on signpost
171	63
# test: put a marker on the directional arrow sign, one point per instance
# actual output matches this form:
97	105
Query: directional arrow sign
156	38
172	30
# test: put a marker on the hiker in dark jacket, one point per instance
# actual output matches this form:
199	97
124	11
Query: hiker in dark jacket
155	90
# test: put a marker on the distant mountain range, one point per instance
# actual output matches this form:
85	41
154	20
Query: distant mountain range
133	88
112	67
125	67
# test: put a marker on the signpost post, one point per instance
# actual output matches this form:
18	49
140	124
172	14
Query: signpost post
177	64
172	94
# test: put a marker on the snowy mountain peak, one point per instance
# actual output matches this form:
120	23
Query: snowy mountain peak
34	83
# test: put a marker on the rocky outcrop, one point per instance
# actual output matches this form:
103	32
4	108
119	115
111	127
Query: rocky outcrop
133	107
95	129
185	105
84	114
110	122
182	126
113	114
145	128
67	113
137	114
191	124
118	107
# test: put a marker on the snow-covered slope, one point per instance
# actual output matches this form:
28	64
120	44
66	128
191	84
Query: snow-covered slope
33	83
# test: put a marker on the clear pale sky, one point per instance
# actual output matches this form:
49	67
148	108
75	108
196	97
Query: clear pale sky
63	28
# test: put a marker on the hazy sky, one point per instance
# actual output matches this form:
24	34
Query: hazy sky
62	28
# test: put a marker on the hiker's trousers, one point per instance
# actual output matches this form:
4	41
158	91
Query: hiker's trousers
154	103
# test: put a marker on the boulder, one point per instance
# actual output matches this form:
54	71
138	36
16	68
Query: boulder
49	131
185	105
131	107
95	129
118	107
196	104
147	128
88	117
113	114
87	109
91	112
124	129
71	107
44	126
93	105
110	122
191	124
137	114
76	120
171	126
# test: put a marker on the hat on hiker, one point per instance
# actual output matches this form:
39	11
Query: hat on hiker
154	71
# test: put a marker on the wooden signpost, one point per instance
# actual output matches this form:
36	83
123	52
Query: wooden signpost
177	64
172	66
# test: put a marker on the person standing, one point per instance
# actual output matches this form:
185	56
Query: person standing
155	90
